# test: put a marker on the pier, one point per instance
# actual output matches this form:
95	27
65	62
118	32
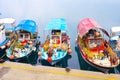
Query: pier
20	71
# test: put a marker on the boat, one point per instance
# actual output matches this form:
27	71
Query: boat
25	45
57	42
5	40
94	46
115	39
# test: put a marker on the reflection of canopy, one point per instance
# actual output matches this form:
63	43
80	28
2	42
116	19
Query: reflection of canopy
27	25
7	21
57	24
115	29
86	24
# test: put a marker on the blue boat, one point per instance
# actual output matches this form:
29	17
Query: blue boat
57	43
24	47
5	41
115	39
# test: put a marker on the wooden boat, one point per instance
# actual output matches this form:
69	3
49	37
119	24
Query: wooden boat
115	39
94	46
5	40
57	43
24	47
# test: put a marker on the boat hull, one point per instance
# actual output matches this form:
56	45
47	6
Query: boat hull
3	50
30	58
101	68
54	59
2	54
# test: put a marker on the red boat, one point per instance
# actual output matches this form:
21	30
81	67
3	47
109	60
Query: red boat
94	46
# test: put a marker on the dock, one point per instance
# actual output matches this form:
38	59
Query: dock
20	71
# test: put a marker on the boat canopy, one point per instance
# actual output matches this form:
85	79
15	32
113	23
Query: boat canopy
115	33
86	24
115	29
7	21
27	25
9	29
57	24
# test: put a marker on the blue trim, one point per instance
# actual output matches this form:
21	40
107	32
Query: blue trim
4	42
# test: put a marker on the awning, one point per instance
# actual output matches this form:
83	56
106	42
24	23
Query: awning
86	24
115	29
27	25
57	24
7	21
